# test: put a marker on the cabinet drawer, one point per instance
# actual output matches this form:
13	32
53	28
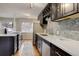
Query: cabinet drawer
60	52
55	51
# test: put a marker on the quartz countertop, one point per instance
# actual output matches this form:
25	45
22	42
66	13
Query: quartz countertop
66	44
1	35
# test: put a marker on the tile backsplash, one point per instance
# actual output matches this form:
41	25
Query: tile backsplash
67	28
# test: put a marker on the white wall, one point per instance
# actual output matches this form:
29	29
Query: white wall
37	28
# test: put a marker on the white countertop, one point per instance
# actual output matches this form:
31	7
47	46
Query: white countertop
68	45
7	35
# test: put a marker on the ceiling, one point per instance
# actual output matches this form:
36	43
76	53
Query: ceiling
21	10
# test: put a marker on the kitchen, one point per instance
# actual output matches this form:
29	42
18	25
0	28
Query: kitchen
39	29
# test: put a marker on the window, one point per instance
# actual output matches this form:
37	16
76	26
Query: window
27	27
7	24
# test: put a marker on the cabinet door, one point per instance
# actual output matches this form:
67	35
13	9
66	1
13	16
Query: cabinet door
39	44
6	46
45	49
55	51
36	43
52	50
53	10
78	6
59	10
69	8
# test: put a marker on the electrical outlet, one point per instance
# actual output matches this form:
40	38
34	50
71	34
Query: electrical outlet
58	33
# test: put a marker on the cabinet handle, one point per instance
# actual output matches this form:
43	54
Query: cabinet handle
57	53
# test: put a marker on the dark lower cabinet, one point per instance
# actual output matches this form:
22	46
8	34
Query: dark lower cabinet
39	44
55	51
36	40
46	48
17	42
9	45
6	46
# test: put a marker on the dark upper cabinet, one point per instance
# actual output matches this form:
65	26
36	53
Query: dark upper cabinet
66	9
69	8
44	21
60	10
40	18
54	11
46	13
56	51
47	48
47	10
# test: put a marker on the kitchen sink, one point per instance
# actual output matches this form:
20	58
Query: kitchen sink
44	34
64	39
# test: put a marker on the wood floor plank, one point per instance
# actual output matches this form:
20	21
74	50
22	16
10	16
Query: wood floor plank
27	49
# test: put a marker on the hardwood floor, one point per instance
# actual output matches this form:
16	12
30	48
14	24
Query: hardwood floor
27	49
